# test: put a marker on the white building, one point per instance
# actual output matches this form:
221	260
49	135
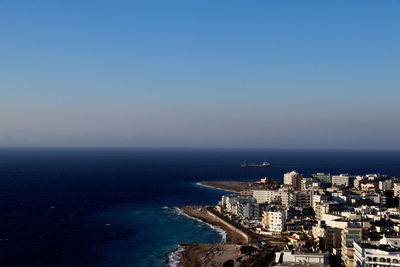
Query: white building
341	179
371	255
274	221
289	258
263	196
385	185
393	241
287	177
396	189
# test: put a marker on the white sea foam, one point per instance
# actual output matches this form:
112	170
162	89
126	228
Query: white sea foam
217	229
173	258
212	187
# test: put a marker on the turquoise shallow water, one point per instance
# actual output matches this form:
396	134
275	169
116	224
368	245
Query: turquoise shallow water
115	207
157	233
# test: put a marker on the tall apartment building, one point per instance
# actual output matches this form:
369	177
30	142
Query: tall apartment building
350	234
296	181
287	177
274	221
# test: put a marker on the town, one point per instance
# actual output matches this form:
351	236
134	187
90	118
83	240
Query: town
322	220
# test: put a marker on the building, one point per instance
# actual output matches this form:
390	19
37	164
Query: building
249	210
340	180
393	241
266	196
396	189
317	198
349	235
287	177
322	177
306	183
327	237
274	221
359	180
369	255
300	199
291	258
385	185
297	181
246	193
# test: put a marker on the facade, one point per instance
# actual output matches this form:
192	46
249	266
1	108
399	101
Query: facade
317	198
246	193
274	221
265	196
300	199
296	181
341	179
306	183
249	210
323	177
328	237
366	255
349	235
385	185
287	177
359	180
396	189
290	258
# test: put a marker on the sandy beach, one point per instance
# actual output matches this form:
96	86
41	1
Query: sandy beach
196	254
201	213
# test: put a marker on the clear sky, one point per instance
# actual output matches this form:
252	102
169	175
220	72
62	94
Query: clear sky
268	74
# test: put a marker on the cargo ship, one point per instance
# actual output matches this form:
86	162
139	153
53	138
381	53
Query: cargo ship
246	164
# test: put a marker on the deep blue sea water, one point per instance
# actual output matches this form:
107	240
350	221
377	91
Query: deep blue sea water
115	207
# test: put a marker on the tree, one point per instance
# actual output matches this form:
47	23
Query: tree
229	263
247	250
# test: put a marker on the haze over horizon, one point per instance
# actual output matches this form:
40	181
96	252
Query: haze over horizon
299	74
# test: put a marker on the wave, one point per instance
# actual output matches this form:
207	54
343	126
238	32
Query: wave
212	187
217	229
173	258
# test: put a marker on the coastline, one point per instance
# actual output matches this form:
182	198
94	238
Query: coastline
231	186
232	237
195	254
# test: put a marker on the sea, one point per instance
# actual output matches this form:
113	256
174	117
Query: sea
117	207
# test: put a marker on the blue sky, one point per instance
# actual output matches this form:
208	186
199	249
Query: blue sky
270	74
